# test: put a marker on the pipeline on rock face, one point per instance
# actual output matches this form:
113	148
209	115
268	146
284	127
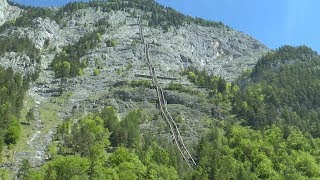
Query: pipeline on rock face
162	104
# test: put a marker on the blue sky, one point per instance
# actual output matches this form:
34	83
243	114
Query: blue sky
273	22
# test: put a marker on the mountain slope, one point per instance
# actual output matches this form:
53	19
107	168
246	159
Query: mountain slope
184	42
112	70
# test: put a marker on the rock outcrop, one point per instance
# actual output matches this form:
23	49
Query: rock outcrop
8	12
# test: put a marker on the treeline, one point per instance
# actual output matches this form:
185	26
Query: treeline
27	17
284	57
220	91
283	88
100	146
239	152
89	150
267	139
12	90
67	63
20	44
164	17
13	87
275	132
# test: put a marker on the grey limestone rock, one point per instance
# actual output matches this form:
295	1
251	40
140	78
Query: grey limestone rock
8	12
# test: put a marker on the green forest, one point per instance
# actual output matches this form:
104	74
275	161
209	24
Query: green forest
12	90
100	146
282	89
227	151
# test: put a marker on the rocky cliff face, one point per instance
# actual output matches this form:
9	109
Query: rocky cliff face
219	50
8	12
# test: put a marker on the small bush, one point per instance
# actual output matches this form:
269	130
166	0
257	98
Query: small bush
111	42
181	88
138	83
96	72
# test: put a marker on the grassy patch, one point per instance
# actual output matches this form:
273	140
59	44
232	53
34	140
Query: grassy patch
48	115
62	98
49	120
141	83
27	104
26	130
181	88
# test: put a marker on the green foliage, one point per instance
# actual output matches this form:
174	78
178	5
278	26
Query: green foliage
84	147
67	63
34	175
111	43
87	134
93	132
129	67
24	170
99	37
175	86
158	163
26	19
103	22
68	167
129	133
143	83
96	72
126	164
12	133
111	121
181	88
98	64
220	90
284	56
53	150
4	174
237	152
12	90
20	44
125	132
282	88
250	105
30	115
